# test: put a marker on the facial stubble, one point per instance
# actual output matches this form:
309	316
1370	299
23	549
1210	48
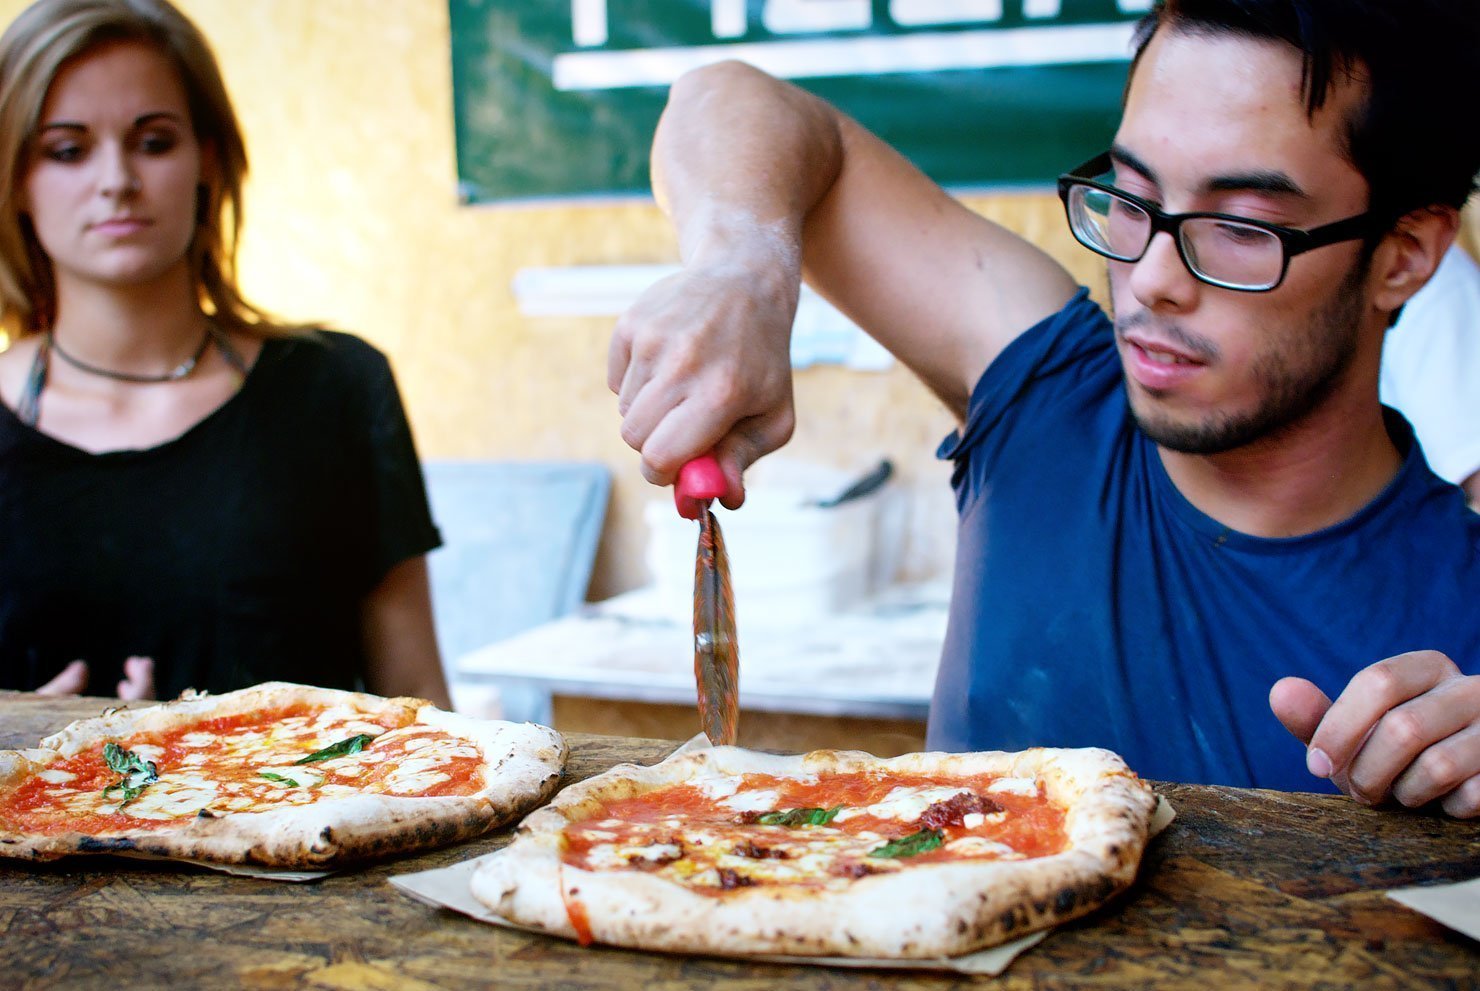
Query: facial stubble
1294	376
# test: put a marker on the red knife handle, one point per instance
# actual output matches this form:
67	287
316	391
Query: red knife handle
699	481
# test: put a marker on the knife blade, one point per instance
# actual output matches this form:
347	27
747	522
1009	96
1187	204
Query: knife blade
716	647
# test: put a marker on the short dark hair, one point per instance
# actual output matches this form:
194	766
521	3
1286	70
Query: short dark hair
1417	59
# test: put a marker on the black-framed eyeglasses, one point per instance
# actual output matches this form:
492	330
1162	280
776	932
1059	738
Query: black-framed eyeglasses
1218	248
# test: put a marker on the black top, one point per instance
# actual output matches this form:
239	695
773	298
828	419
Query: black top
236	553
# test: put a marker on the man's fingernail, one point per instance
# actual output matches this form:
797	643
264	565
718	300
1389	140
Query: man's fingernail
1318	763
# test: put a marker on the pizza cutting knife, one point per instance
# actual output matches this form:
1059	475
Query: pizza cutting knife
716	649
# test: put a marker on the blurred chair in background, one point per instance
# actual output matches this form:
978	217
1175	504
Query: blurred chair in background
519	541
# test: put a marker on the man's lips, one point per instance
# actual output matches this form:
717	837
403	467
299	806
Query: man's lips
1157	365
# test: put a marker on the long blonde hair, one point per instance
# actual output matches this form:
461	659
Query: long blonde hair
34	49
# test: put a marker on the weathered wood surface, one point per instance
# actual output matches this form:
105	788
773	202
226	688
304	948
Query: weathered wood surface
1245	889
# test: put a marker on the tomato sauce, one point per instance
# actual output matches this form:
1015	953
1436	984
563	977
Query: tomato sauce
1032	826
575	911
43	807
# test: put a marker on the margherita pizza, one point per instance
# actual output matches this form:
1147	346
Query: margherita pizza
278	775
832	853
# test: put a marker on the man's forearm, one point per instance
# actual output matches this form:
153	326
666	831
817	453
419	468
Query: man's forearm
739	158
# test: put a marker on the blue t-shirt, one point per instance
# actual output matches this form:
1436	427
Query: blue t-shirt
1095	606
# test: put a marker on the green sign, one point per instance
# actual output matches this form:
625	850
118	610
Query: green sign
560	99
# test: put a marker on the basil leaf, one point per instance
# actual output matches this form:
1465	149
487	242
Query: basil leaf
908	846
137	773
341	749
278	777
793	818
125	761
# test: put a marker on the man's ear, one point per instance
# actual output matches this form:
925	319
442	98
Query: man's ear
1408	254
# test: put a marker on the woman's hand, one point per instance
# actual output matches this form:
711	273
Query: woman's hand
137	683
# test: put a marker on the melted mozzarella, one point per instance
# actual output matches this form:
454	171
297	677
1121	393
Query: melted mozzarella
305	777
752	801
610	856
171	797
405	782
717	786
1015	786
415	760
980	846
658	851
904	804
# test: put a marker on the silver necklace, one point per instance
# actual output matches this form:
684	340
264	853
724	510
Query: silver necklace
175	374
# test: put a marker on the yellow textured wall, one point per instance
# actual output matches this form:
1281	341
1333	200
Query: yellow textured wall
352	219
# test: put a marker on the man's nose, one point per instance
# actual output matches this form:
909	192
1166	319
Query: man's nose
1161	278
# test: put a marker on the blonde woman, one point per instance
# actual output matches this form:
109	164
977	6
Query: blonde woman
191	495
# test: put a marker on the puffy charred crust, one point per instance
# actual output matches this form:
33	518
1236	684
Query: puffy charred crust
524	764
925	910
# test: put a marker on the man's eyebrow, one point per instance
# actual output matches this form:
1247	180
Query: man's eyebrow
1253	181
1257	181
1121	155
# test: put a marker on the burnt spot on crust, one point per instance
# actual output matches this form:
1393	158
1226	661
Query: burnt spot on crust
1012	919
853	869
642	863
953	810
104	844
749	848
1070	901
730	879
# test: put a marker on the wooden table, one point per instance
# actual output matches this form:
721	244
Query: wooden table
1245	889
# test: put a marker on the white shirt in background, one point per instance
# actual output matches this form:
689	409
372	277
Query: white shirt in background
1431	367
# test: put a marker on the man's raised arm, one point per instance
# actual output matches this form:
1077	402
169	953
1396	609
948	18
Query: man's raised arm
763	182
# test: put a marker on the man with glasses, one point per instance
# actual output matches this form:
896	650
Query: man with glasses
1181	527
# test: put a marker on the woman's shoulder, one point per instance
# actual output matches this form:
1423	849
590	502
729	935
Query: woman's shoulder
15	367
325	351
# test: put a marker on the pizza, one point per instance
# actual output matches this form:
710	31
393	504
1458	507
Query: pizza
278	775
831	853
